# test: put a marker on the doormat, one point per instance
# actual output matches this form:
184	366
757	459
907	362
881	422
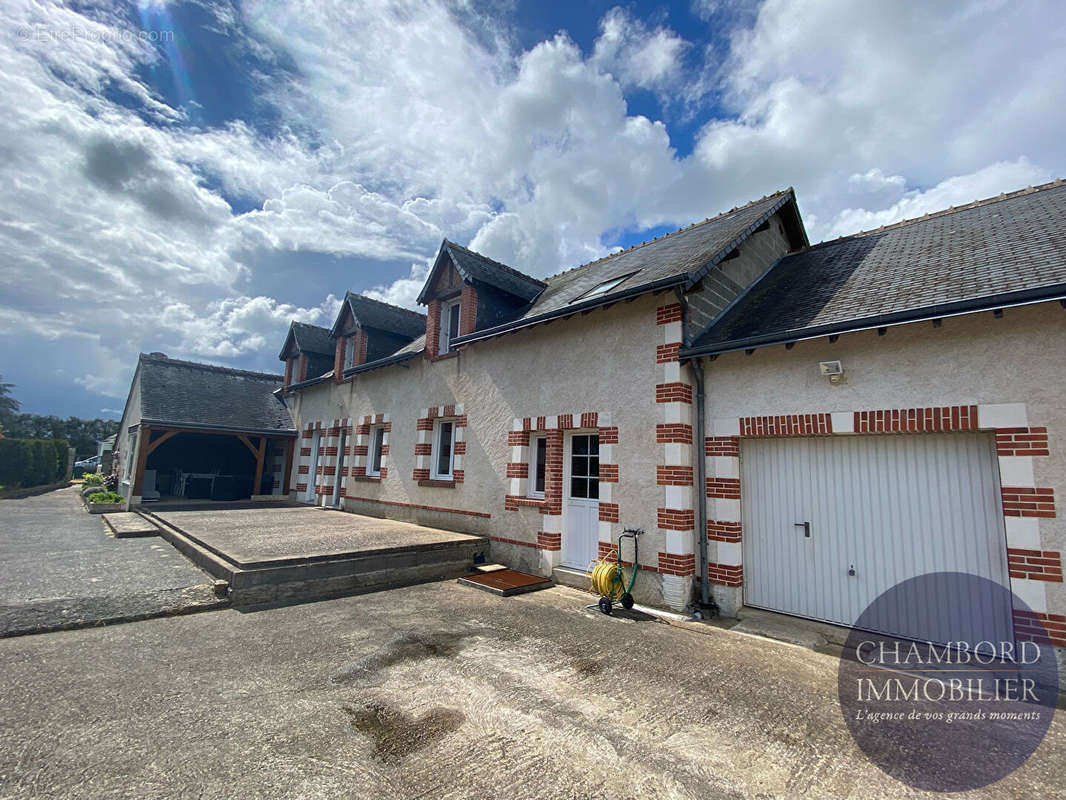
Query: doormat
506	582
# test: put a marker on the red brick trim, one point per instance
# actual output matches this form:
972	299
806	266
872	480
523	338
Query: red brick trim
513	502
367	478
683	565
1035	626
424	424
608	473
666	432
609	551
438	483
723	531
1021	442
459	448
303	469
1020	501
787	425
676	519
673	475
467	310
608	435
301	487
553	472
722	446
420	474
668	313
665	353
422	507
590	419
433	329
1037	565
725	574
305	451
549	541
727	488
917	420
423	449
518	439
676	392
608	512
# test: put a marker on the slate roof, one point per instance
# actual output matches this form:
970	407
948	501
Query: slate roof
309	339
678	258
370	313
205	396
1003	249
474	266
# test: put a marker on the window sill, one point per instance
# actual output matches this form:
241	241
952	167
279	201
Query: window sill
531	502
366	478
439	483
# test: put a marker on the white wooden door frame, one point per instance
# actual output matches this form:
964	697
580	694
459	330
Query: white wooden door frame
592	532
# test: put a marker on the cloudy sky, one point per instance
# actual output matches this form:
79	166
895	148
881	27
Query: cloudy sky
188	177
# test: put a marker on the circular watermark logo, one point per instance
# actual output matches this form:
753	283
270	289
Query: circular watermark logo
962	701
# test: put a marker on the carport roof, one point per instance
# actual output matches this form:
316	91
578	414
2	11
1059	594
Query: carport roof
1005	250
208	397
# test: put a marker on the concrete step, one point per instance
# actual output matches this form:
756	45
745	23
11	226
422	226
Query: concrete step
305	580
575	578
126	523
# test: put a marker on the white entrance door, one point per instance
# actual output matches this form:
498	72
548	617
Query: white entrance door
312	475
581	505
338	477
832	522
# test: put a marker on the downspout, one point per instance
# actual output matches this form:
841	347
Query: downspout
701	482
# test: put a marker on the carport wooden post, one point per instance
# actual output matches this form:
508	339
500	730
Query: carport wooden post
143	436
289	449
259	456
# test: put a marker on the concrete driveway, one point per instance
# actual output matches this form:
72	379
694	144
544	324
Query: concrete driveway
436	691
59	567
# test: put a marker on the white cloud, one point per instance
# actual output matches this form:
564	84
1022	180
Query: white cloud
403	122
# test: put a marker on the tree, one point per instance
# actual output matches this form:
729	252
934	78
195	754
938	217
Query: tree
8	404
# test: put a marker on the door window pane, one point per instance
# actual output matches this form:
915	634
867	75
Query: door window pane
585	467
579	487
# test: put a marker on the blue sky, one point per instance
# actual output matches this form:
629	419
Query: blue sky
188	177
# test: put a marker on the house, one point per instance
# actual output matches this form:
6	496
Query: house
801	426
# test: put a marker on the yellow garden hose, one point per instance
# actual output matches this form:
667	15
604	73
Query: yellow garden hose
604	580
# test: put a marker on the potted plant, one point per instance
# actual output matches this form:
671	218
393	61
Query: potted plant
105	502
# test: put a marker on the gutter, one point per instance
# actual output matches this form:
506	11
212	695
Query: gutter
923	314
219	428
525	322
381	362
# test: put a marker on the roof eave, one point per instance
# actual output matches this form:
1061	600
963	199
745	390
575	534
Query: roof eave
610	299
220	428
381	362
921	314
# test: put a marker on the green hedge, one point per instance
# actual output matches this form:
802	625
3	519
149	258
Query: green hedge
32	462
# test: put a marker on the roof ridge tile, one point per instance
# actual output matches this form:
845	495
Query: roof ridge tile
211	367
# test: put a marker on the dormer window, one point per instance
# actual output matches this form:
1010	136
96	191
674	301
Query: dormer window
349	352
449	325
604	287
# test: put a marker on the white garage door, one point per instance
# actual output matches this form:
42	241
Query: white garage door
831	522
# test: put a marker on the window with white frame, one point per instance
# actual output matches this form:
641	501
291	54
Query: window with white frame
538	456
449	325
443	449
377	445
349	352
605	287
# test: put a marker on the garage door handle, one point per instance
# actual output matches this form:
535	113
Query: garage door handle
806	529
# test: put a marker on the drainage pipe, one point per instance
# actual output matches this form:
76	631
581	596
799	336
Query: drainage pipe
701	481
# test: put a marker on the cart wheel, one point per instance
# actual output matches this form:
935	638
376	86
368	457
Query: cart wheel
627	601
605	605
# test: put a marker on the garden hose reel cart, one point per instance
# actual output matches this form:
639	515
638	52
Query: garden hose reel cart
608	577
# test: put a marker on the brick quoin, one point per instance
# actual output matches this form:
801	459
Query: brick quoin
550	541
363	430
665	353
590	419
682	565
553	473
722	446
723	531
566	422
423	449
424	424
301	487
726	488
673	475
516	469
725	574
459	449
608	435
1039	565
676	392
518	439
917	420
420	474
666	432
305	451
303	469
608	473
676	519
1028	502
608	512
1021	442
668	313
787	425
1036	626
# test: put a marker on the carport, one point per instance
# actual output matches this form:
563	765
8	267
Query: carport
199	433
